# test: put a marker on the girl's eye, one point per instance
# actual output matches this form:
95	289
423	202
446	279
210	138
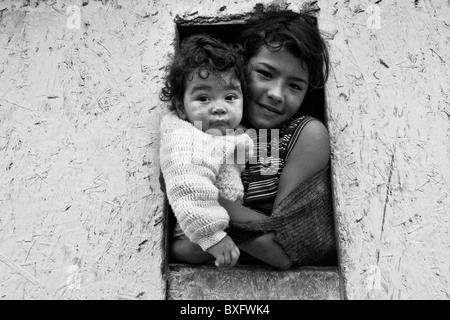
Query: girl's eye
264	73
230	97
295	87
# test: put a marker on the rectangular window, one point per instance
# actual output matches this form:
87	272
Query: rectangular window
197	281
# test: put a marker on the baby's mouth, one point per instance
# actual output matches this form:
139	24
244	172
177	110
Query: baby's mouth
222	126
219	123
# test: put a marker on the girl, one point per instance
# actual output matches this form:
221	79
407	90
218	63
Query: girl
287	214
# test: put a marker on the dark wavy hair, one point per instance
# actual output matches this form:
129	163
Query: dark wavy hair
298	33
205	53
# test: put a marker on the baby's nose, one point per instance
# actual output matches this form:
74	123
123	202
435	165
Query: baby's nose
219	109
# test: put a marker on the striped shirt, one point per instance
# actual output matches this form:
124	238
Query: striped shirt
262	173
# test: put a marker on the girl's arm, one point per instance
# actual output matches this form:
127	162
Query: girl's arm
309	155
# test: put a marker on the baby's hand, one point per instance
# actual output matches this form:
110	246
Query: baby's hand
244	149
240	126
225	252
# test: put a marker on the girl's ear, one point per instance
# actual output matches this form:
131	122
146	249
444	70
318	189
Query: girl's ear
180	110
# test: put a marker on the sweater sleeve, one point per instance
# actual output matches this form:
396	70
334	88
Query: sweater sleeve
229	180
190	161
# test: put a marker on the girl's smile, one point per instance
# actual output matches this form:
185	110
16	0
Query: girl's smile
278	84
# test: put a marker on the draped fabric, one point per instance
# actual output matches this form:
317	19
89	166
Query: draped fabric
303	223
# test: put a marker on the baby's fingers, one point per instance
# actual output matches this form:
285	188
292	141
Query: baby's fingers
219	261
235	253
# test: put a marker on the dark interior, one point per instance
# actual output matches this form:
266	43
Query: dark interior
313	105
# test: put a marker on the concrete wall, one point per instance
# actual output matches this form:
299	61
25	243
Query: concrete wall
81	212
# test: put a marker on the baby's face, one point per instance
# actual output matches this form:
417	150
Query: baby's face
213	102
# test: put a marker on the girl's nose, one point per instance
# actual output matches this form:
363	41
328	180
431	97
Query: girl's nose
275	92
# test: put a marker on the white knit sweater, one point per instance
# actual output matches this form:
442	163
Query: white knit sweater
197	168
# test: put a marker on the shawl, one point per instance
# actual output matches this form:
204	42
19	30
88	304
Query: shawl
303	223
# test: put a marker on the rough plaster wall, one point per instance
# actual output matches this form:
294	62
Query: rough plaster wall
79	197
80	201
389	112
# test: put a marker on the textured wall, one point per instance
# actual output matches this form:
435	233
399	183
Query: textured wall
80	200
80	205
389	112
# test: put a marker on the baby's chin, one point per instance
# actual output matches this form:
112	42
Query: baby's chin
220	130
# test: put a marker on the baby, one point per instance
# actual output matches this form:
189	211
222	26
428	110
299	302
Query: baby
205	84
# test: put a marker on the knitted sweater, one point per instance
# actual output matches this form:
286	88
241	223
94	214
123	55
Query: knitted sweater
198	167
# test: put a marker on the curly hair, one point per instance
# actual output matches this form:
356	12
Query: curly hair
201	52
296	32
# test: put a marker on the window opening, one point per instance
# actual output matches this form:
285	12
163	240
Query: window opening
314	105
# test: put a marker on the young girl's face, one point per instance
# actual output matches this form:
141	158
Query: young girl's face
277	87
212	101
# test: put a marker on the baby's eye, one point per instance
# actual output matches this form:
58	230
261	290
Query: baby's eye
231	97
203	98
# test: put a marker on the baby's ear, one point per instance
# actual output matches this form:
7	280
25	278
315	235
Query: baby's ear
180	110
